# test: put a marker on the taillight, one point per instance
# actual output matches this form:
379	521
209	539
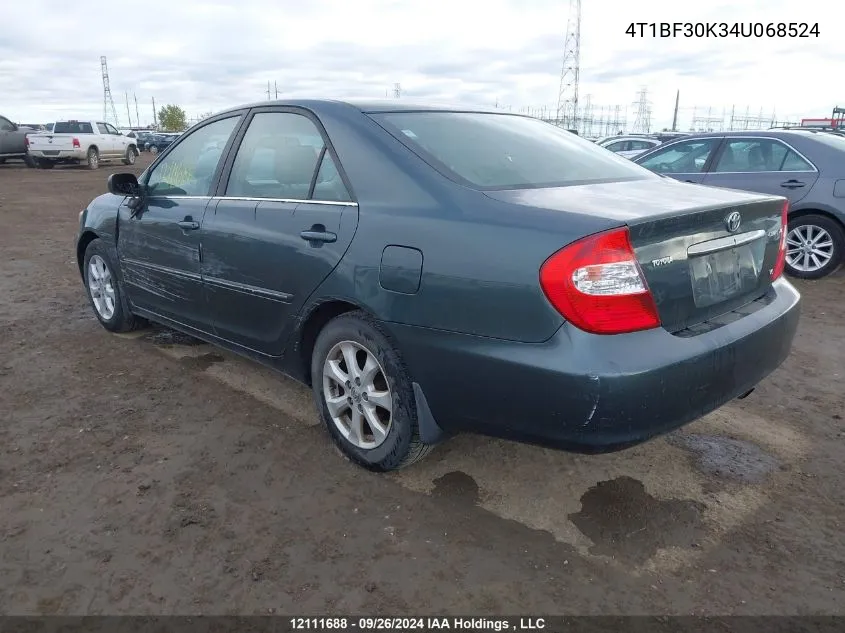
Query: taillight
76	142
780	262
597	285
26	141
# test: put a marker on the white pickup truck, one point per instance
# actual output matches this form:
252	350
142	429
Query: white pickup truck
77	142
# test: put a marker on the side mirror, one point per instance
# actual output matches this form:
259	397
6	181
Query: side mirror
124	185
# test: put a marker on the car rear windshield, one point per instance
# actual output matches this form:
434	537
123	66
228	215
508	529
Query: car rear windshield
72	127
503	151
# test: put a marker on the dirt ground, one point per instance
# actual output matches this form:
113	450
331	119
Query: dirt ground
146	474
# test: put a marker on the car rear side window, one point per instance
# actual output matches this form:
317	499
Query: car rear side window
72	127
503	151
189	169
277	157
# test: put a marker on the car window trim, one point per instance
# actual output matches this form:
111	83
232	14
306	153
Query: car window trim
343	203
777	140
145	175
226	173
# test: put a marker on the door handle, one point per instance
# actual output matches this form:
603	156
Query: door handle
792	184
318	236
188	225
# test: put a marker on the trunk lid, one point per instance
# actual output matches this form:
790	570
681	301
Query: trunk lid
697	263
51	142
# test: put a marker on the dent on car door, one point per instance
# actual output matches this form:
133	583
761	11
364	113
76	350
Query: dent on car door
282	223
159	243
762	165
685	160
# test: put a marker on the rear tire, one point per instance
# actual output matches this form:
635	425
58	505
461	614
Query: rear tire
398	444
153	150
826	240
105	289
93	158
2	161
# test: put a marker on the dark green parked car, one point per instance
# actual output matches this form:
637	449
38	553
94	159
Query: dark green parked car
429	271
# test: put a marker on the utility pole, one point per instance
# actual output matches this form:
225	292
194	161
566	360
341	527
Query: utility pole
675	117
128	116
137	116
155	116
276	86
268	91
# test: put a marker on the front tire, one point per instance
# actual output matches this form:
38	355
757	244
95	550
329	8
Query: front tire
153	150
815	246
129	158
92	159
364	395
104	288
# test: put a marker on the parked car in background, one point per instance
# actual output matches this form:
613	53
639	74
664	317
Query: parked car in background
140	137
156	143
628	146
13	141
430	270
74	142
34	127
808	167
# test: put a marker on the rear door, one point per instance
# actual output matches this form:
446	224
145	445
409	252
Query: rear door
685	160
281	223
159	246
764	165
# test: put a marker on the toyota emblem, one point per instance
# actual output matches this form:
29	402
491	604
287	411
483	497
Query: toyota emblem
733	221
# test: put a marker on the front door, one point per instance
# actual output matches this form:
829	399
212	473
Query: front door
117	141
159	245
762	165
683	160
282	223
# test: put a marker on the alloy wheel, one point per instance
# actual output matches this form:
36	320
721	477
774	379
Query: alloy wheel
357	395
101	287
808	248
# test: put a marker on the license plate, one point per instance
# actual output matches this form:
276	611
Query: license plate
717	277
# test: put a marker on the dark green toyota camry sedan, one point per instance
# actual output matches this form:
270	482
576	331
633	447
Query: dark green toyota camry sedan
429	271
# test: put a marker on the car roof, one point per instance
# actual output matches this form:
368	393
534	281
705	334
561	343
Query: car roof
753	133
372	106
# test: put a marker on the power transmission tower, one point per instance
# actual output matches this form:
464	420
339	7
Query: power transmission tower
137	115
642	122
108	101
397	91
567	96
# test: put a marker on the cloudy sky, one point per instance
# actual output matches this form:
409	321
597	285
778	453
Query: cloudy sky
207	55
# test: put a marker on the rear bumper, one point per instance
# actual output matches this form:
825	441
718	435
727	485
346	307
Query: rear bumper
62	154
589	393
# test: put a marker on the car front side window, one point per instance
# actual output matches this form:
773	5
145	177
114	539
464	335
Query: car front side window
688	157
188	170
6	125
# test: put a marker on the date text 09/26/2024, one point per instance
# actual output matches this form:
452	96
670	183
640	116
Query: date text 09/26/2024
723	29
419	624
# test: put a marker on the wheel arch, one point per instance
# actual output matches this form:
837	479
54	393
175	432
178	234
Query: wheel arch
312	324
82	245
92	146
800	213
